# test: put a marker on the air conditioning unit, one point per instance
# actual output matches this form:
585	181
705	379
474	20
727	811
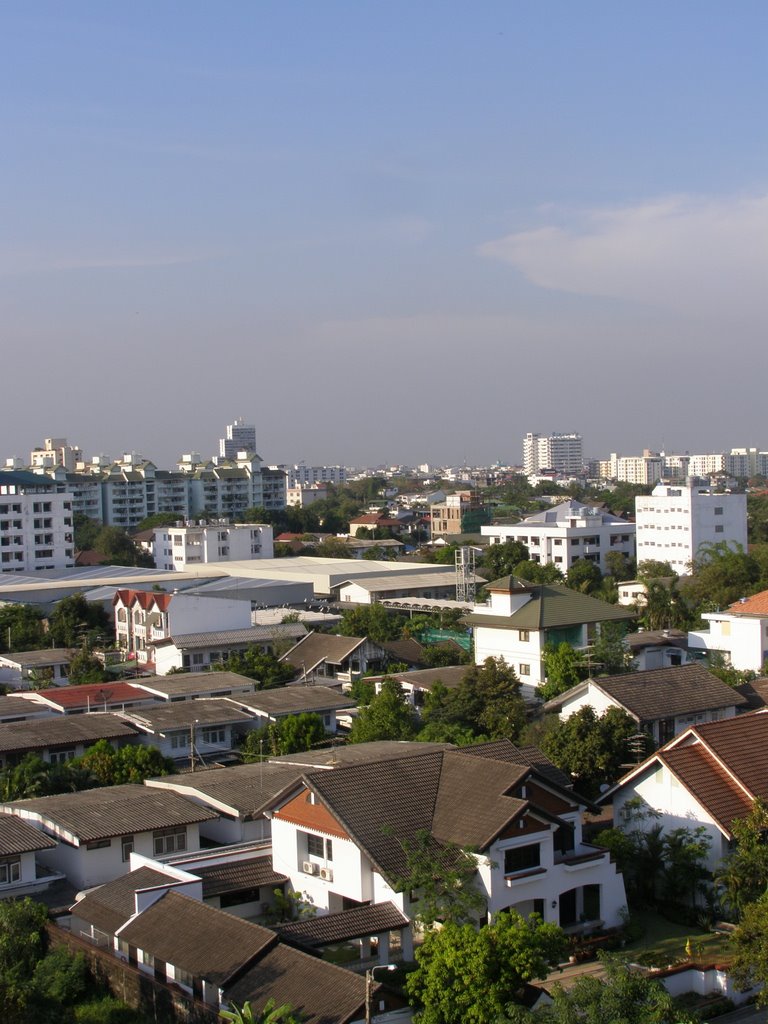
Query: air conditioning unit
309	868
326	874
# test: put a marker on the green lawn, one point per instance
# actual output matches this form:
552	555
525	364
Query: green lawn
663	942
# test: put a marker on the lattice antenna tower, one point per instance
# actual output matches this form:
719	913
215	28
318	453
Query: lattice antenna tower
465	574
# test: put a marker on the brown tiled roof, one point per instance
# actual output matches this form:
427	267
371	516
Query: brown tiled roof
62	731
408	650
239	874
205	942
756	692
318	992
741	743
453	797
664	692
708	782
94	814
17	836
110	905
505	750
348	924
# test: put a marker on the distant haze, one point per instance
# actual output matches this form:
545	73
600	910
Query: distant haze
383	232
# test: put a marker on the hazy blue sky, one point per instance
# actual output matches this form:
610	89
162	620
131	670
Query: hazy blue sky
401	231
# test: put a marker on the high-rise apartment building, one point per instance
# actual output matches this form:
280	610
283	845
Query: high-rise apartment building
36	524
241	437
675	521
563	453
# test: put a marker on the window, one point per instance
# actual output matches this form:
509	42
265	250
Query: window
98	844
718	510
126	844
525	670
169	840
522	858
147	958
318	846
524	635
183	977
61	756
214	735
10	870
179	739
719	529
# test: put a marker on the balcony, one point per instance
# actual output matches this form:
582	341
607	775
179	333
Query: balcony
589	855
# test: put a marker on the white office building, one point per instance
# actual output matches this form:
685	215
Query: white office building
676	520
567	532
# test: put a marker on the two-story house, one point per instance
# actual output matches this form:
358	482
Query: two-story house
342	836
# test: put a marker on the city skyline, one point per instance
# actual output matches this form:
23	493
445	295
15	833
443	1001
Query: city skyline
395	234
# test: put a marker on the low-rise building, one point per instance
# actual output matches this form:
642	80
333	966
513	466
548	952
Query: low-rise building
20	873
740	633
569	531
60	738
98	829
193	731
520	620
341	658
29	669
200	651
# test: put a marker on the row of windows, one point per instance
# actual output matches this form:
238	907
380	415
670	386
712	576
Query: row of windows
167	840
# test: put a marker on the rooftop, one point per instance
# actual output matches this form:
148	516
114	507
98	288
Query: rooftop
293	700
551	606
16	836
318	647
183	714
244	788
94	814
62	730
190	684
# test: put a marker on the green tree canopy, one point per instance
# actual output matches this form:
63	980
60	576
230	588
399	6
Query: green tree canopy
584	576
623	995
21	628
502	559
264	668
591	748
373	621
466	976
290	735
564	667
742	877
749	949
387	717
721	575
85	667
74	619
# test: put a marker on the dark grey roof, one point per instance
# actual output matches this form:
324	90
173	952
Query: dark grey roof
183	714
253	873
665	692
505	750
62	731
189	684
193	936
291	700
318	992
657	638
251	635
109	906
244	788
17	836
425	678
357	923
359	753
42	659
318	647
12	706
94	814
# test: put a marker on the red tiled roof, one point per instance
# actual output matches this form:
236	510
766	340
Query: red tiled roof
755	605
708	782
144	598
91	694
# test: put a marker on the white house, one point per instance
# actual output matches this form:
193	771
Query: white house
568	532
98	829
186	544
200	651
707	776
142	617
193	732
519	621
675	521
740	633
31	668
19	845
339	835
60	738
663	702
